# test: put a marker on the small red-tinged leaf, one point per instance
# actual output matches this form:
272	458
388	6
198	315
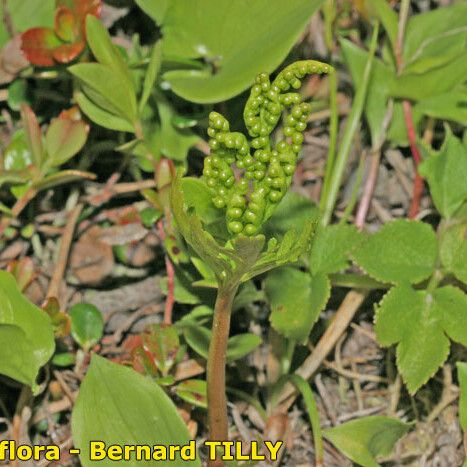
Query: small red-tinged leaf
87	7
33	134
66	53
66	26
72	113
38	45
23	271
60	320
64	139
193	391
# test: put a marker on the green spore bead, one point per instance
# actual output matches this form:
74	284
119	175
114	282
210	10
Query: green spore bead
218	202
267	172
275	196
250	229
235	227
250	216
234	213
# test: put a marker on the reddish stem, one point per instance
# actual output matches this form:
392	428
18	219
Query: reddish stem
418	185
170	300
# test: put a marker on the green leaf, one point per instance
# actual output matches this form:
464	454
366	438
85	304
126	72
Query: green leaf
132	410
241	345
449	106
296	300
387	16
60	178
426	31
238	346
105	52
417	321
192	231
103	117
193	391
462	376
363	439
25	332
151	74
64	139
436	81
155	9
183	290
229	35
401	251
17	155
87	324
288	250
107	89
381	79
293	212
453	250
27	14
331	248
451	303
199	197
446	172
438	53
174	143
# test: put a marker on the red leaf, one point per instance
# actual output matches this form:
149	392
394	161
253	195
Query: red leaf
73	113
45	47
66	53
38	45
66	26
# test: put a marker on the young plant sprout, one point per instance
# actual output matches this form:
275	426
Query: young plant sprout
247	179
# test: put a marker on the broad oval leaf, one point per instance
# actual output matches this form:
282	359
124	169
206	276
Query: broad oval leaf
131	410
296	299
363	439
240	38
64	139
87	324
26	334
401	251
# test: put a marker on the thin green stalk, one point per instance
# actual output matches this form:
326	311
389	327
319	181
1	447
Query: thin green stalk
313	414
329	198
354	195
329	11
217	401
